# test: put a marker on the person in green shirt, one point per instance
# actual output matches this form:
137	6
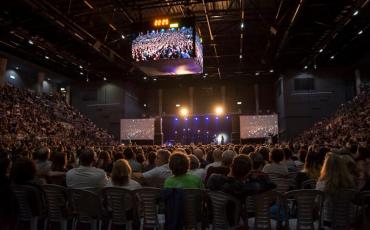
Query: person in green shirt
179	165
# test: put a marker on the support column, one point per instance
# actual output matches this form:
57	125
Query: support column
235	129
257	96
40	79
68	95
191	100
160	102
358	81
158	133
3	63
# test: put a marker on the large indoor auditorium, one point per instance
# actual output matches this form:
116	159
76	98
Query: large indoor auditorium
185	114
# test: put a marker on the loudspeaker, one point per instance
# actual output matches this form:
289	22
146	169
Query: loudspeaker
235	129
158	134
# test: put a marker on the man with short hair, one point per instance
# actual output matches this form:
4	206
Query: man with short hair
86	176
156	176
217	157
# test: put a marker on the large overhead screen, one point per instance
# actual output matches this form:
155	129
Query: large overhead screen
137	129
259	126
167	47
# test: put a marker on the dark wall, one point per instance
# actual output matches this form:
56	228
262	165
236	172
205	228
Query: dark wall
105	103
299	109
207	94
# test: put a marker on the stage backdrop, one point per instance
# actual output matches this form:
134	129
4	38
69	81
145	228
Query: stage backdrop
137	129
259	126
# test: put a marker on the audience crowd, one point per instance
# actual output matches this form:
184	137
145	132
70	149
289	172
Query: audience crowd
163	44
44	140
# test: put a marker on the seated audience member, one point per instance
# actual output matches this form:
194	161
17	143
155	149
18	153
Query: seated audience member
277	166
265	152
86	176
363	166
156	176
43	164
179	164
310	170
58	162
237	182
217	159
199	153
302	153
150	164
130	157
104	162
224	169
121	176
24	172
7	199
194	167
289	161
246	149
334	177
256	175
58	169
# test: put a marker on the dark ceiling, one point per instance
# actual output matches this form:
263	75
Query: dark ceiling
277	34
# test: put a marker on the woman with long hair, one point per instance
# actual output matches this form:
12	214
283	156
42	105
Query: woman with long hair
121	176
311	169
334	175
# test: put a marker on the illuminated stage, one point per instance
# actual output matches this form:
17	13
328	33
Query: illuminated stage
197	129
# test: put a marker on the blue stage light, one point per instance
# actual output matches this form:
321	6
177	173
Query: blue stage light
216	118
207	118
196	118
176	119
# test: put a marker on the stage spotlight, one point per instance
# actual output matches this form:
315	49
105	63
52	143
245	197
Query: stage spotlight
227	117
176	119
207	118
184	112
216	118
186	119
196	118
178	105
239	103
219	110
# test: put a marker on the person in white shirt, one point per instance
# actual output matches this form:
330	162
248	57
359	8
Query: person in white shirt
156	176
86	176
217	159
277	166
121	176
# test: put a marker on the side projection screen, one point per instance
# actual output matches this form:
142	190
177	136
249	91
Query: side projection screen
137	129
259	126
164	47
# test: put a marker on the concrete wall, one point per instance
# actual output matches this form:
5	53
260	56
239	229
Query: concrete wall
299	110
105	103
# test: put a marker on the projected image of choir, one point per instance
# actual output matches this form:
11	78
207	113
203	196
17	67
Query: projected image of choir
163	44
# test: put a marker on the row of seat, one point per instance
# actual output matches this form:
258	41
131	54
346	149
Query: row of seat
200	208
